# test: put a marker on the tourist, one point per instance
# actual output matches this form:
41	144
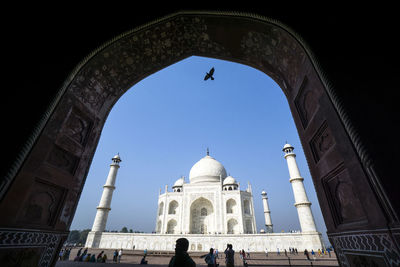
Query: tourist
119	255
248	253
93	258
104	258
285	252
86	257
143	260
66	254
243	254
181	257
329	252
295	250
319	252
313	254
216	253
100	256
306	253
229	256
145	252
115	255
266	252
85	252
79	252
210	258
277	249
60	254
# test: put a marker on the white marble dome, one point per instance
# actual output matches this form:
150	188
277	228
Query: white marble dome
179	182
207	169
229	180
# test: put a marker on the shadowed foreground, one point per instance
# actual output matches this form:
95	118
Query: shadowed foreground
157	258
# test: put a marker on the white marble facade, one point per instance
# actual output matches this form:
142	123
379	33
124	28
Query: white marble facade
210	211
212	203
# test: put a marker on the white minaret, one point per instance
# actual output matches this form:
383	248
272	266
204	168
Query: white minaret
302	203
105	202
267	213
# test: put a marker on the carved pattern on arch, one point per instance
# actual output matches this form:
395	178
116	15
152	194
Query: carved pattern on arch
365	249
139	54
343	202
47	241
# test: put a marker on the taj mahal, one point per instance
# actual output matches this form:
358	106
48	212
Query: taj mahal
210	210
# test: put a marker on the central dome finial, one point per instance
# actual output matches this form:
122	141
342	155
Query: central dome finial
208	152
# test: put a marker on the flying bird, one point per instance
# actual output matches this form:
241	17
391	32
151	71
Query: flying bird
209	74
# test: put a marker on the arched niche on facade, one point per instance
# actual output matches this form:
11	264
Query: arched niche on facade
173	207
171	226
201	216
231	206
161	208
232	226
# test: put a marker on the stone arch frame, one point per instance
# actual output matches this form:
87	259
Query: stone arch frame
63	144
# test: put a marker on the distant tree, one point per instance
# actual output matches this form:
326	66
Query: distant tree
130	231
83	236
124	230
73	236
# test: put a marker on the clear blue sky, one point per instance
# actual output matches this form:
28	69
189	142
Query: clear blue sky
163	125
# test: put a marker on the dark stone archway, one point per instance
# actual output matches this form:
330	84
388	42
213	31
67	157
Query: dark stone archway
41	191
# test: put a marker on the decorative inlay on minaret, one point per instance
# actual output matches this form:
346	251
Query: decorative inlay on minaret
302	203
267	213
104	207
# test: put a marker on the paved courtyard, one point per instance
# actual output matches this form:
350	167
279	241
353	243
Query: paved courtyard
133	257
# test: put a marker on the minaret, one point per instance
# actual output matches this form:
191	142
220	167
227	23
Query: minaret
105	202
267	213
302	203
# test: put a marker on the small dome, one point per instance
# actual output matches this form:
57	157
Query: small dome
229	180
116	158
263	193
286	146
207	169
179	182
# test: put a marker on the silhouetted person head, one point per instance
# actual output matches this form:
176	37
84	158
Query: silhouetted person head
211	250
182	245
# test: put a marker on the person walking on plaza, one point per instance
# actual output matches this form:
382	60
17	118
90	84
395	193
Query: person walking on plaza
266	252
306	253
210	259
60	255
115	255
181	257
119	255
229	256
